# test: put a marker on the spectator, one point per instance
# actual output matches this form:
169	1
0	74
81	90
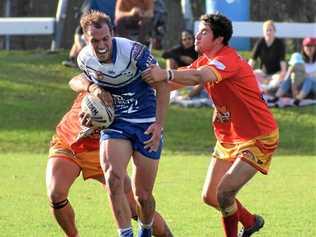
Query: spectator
159	24
180	56
106	6
302	80
133	19
271	52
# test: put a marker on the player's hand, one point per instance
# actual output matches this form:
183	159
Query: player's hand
154	74
153	143
85	120
104	95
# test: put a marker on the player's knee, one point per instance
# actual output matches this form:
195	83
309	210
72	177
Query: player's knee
210	200
59	204
114	182
143	197
225	196
56	195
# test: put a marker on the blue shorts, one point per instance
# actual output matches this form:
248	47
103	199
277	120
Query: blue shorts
135	133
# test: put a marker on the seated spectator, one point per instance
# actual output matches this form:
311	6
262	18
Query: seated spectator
180	56
271	52
183	54
106	6
301	82
133	19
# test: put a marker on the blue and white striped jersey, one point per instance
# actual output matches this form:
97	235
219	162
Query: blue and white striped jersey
134	99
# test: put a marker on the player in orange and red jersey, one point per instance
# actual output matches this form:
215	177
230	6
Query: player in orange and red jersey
246	131
72	151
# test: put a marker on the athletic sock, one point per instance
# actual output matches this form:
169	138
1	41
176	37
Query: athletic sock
230	224
245	217
126	232
144	230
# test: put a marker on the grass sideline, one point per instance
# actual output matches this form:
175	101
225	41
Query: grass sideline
33	85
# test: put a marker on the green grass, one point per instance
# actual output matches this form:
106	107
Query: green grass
35	94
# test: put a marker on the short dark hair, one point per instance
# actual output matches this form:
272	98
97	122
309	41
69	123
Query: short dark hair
220	25
95	18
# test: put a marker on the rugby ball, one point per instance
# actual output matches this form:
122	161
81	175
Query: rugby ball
101	115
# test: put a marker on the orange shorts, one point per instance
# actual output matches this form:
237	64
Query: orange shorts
87	161
256	152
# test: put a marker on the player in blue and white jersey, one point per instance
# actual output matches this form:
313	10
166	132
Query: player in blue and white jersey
112	69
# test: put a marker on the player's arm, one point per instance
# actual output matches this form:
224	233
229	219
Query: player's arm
162	103
163	95
186	77
80	83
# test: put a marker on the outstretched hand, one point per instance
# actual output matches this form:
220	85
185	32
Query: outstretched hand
153	143
154	74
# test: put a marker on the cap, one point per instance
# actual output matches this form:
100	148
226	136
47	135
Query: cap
296	58
309	41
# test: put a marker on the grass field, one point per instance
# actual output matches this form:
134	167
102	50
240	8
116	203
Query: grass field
35	94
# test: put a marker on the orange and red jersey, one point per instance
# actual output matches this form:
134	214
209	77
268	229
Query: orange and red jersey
240	112
69	127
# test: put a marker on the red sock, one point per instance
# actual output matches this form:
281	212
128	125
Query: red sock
230	224
244	216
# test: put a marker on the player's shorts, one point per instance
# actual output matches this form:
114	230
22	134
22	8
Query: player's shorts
135	133
256	152
87	161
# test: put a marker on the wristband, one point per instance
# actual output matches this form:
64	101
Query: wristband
170	75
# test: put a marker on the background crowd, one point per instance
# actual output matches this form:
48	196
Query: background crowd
284	79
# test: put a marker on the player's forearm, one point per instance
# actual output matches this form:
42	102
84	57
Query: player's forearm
163	95
191	77
79	83
186	77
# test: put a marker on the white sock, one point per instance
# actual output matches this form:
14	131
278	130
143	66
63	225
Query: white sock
125	232
145	226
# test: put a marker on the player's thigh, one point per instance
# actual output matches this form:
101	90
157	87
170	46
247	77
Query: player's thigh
237	176
144	172
216	171
60	174
115	155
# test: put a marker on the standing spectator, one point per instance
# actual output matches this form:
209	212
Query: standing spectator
133	19
302	80
271	52
106	6
159	24
246	132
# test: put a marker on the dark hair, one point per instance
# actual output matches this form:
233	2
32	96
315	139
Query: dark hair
190	32
220	25
308	59
95	18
